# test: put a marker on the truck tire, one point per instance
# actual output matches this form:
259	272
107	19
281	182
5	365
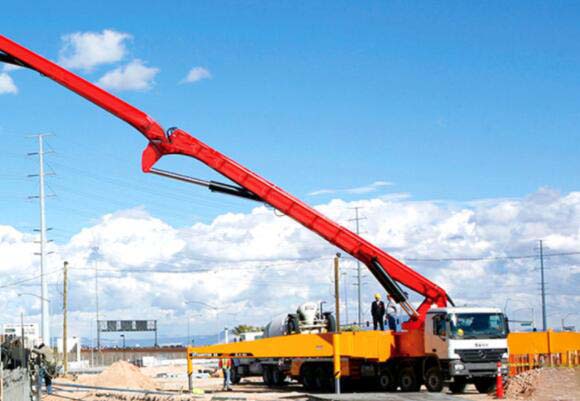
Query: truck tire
408	380
434	379
307	377
235	376
293	324
324	379
278	377
457	386
386	380
485	384
330	322
267	375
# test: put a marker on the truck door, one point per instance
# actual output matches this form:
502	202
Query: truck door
436	341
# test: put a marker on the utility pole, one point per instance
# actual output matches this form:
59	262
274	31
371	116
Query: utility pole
95	254
64	318
337	290
357	220
543	284
45	318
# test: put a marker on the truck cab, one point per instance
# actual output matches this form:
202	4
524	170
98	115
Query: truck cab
467	344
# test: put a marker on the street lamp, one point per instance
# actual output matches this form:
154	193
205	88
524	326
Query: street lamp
564	318
533	316
189	317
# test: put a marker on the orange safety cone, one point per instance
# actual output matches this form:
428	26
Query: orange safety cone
499	383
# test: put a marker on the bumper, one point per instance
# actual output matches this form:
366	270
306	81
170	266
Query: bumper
476	369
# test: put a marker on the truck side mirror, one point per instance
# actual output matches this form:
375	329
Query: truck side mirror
507	324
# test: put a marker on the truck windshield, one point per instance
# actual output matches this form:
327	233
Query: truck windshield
478	325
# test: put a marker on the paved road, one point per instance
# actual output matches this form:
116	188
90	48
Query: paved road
386	397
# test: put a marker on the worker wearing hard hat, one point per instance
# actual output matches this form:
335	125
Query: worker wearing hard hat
378	312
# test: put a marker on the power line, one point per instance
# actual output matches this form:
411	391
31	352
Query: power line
470	259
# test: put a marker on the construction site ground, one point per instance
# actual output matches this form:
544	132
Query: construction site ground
540	385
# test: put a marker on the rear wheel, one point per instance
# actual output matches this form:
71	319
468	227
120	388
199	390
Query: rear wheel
485	384
308	378
323	378
267	375
386	380
408	380
434	379
330	322
458	385
235	376
278	377
292	325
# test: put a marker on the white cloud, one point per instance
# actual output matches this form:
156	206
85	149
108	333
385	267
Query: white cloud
366	189
196	74
134	76
258	265
7	85
11	67
86	50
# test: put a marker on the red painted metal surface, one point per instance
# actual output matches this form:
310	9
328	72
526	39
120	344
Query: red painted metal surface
180	142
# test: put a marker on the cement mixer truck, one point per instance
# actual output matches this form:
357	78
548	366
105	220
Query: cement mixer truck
309	318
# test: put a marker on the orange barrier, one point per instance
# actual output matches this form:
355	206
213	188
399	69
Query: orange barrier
538	349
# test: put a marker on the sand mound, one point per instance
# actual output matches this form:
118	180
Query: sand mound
546	384
120	374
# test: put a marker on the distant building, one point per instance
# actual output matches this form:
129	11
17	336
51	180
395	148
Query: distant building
31	333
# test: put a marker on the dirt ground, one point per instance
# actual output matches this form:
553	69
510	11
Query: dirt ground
539	385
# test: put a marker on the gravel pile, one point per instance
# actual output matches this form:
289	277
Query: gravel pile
545	384
122	375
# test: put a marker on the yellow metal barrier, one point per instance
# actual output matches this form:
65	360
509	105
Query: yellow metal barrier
538	349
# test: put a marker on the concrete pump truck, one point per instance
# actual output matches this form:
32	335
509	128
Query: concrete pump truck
439	344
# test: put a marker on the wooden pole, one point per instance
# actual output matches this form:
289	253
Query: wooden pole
64	319
337	290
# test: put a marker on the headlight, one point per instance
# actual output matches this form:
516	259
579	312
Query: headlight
459	366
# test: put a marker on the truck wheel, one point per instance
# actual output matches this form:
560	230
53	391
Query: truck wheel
458	385
434	379
408	380
235	376
324	379
485	384
386	380
307	377
278	377
293	325
267	375
330	322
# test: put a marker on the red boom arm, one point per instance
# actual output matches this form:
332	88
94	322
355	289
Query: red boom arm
383	266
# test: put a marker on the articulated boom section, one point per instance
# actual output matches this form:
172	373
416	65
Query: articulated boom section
383	266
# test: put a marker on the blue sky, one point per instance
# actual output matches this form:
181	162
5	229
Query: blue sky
466	101
375	103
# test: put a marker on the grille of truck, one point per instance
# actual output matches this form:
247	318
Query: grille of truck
481	355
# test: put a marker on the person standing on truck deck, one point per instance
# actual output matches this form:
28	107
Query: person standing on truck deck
226	366
378	312
391	314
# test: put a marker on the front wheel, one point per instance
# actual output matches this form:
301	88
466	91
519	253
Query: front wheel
485	385
458	385
434	380
408	380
